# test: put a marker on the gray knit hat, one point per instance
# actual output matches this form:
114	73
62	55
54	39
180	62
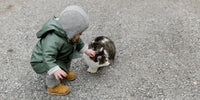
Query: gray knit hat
74	20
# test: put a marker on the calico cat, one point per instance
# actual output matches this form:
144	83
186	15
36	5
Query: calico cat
105	53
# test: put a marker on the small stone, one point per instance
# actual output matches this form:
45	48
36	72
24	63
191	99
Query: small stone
195	82
10	50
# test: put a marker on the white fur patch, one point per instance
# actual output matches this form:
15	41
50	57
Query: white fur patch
99	57
101	49
90	62
93	66
104	40
92	70
106	53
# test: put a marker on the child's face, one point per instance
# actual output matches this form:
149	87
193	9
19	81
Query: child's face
76	37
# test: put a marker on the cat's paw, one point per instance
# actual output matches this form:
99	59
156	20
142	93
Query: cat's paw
92	70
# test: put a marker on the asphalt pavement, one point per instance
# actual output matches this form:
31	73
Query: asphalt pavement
157	41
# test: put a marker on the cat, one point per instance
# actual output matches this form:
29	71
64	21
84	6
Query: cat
105	53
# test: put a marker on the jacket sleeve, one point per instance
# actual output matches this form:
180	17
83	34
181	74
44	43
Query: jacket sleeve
50	47
81	46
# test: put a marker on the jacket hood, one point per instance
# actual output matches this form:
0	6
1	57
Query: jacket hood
51	25
74	20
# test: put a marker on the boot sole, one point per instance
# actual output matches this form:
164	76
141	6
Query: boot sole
58	94
71	79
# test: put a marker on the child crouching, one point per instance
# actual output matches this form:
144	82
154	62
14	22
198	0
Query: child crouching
59	43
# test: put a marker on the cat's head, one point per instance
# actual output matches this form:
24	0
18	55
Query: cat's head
101	55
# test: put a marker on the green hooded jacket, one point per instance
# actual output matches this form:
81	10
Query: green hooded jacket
54	48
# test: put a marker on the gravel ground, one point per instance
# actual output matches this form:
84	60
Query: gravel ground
157	41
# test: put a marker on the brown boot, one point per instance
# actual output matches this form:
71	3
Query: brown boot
71	76
60	89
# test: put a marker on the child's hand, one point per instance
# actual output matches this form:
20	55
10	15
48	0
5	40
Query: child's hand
59	74
90	52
